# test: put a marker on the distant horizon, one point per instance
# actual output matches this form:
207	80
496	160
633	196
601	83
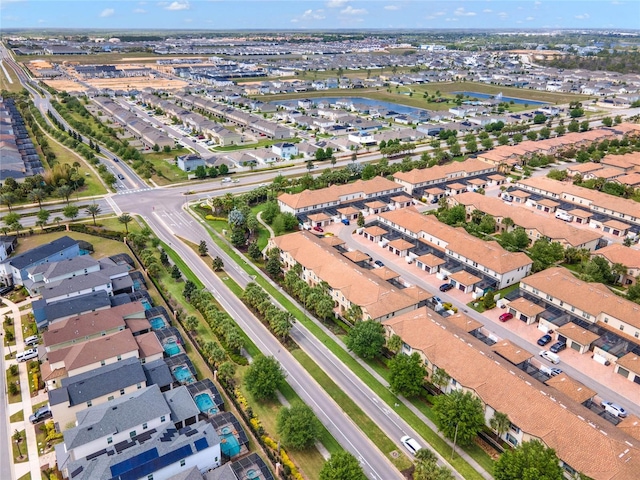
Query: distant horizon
321	15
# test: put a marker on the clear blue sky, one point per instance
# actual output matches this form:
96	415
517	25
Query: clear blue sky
328	14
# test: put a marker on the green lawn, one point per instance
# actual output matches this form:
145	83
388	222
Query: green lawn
13	379
26	476
20	452
462	466
103	246
14	87
17	417
163	163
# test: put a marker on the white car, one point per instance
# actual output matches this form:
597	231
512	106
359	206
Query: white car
410	444
614	409
552	357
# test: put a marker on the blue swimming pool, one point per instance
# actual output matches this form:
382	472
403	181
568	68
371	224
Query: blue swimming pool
157	323
252	474
146	304
172	348
229	443
183	374
520	101
205	403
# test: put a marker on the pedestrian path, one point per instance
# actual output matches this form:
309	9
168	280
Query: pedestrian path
33	465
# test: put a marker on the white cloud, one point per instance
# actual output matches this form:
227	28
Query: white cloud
461	12
616	2
487	10
139	10
310	15
336	3
107	12
503	15
537	3
583	16
178	5
353	11
450	19
528	19
391	7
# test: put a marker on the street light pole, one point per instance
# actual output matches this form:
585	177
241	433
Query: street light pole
455	437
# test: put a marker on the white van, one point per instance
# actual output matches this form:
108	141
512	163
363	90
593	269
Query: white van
32	340
564	216
410	444
552	357
27	355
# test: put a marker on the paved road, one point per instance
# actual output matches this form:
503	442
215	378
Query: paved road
376	466
407	273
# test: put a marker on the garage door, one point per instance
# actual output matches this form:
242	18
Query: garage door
461	287
576	346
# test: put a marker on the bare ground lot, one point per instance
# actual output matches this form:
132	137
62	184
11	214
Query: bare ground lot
128	83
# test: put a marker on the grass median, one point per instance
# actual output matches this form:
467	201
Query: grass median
463	467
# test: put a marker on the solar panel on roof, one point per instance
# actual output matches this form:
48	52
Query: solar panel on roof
130	463
76	472
201	444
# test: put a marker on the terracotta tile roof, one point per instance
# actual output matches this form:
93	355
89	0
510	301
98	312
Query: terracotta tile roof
431	260
375	231
526	307
348	210
583	168
401	244
511	352
593	298
578	212
360	189
375	204
464	322
573	389
617	224
582	439
319	217
385	273
401	198
630	361
456	186
137	324
546	202
435	191
496	177
632	179
618	253
631	426
549	227
608	173
470	167
332	241
356	256
465	278
578	334
489	254
360	286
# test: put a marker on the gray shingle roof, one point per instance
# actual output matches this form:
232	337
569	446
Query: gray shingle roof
158	373
73	306
117	415
181	404
64	267
39	253
80	282
99	382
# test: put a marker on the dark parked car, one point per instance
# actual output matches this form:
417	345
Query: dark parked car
379	264
41	414
543	340
445	287
318	229
558	347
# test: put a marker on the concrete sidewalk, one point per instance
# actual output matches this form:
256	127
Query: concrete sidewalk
33	465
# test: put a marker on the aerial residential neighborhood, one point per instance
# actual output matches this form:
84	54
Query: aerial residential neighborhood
324	240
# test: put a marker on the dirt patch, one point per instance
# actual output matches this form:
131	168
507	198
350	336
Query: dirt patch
488	449
66	85
137	83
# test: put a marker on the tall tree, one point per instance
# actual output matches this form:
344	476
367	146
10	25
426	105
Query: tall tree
366	339
71	212
93	210
298	426
37	195
125	219
529	461
203	248
8	199
407	374
342	466
65	192
500	423
264	376
459	416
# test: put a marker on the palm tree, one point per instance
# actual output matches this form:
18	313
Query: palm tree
125	218
8	199
57	220
93	210
500	423
37	195
65	192
440	378
619	270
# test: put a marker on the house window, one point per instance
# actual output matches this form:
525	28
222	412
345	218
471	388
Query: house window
623	371
89	403
119	357
109	398
150	476
163	418
132	433
621	327
144	426
102	364
183	462
122	391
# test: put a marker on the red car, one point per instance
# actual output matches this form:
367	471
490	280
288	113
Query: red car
505	316
318	229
